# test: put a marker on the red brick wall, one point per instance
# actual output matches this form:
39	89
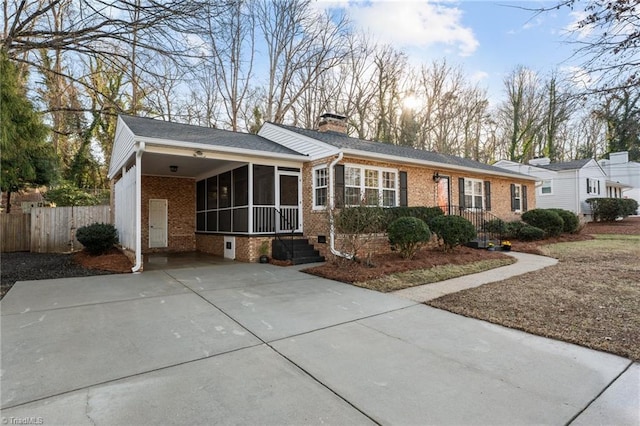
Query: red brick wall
422	191
180	194
247	248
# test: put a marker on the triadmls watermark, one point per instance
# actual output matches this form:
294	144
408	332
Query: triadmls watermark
22	420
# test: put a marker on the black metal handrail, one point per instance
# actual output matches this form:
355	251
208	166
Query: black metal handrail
289	248
480	218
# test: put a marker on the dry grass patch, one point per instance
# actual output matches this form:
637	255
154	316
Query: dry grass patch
589	298
401	280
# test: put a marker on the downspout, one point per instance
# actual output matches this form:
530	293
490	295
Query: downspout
332	229
139	152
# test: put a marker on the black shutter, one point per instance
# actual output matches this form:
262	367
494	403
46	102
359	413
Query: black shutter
338	185
524	198
513	197
461	192
487	195
588	187
404	199
598	186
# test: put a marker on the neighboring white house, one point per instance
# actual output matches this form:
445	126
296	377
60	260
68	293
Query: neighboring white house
564	185
623	176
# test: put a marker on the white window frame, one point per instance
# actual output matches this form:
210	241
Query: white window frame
473	194
593	184
518	196
550	186
315	185
380	185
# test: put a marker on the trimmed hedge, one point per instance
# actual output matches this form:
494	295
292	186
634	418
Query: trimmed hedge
549	221
408	234
530	233
361	220
570	219
609	209
426	214
496	226
97	238
454	230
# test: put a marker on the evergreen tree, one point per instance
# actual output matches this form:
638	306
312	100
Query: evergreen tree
27	159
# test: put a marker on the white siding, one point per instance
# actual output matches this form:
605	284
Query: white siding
123	148
563	194
297	142
125	209
591	171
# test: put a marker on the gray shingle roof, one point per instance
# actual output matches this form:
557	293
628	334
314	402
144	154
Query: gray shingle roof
151	128
342	141
569	165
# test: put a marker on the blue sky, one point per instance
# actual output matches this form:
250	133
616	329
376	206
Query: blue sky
488	39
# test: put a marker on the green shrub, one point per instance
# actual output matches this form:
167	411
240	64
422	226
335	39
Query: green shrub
610	209
408	234
426	214
454	230
530	233
550	222
629	207
496	226
360	220
513	229
97	238
570	219
68	194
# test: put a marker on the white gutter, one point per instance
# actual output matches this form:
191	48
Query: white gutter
139	152
406	160
332	228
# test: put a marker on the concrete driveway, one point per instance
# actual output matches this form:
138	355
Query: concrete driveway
259	344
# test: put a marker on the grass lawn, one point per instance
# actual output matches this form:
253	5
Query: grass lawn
591	297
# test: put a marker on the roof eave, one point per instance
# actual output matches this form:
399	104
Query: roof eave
372	155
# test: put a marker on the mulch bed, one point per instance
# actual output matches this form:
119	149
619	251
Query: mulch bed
25	266
350	272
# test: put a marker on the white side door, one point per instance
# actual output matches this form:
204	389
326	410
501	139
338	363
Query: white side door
157	223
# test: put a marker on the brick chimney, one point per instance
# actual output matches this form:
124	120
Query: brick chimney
330	122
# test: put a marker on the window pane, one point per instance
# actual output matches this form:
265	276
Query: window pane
224	218
241	186
388	198
200	221
352	176
240	220
371	178
212	193
468	186
224	186
200	195
516	191
352	196
477	188
264	191
321	196
371	197
322	177
212	221
468	200
516	203
388	180
478	202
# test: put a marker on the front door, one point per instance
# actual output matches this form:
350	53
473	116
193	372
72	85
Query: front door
443	192
289	201
157	223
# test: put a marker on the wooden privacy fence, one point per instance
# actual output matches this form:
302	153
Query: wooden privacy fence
53	230
16	229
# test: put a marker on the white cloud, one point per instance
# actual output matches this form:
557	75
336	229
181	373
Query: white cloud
574	26
580	77
479	76
411	23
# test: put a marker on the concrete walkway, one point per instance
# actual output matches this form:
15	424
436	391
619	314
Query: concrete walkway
526	263
260	344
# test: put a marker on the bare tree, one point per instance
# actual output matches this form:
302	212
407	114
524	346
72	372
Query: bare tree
520	113
301	45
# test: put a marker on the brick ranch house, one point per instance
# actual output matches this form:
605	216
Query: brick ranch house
178	187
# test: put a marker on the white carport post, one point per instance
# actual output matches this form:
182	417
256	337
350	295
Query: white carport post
139	152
